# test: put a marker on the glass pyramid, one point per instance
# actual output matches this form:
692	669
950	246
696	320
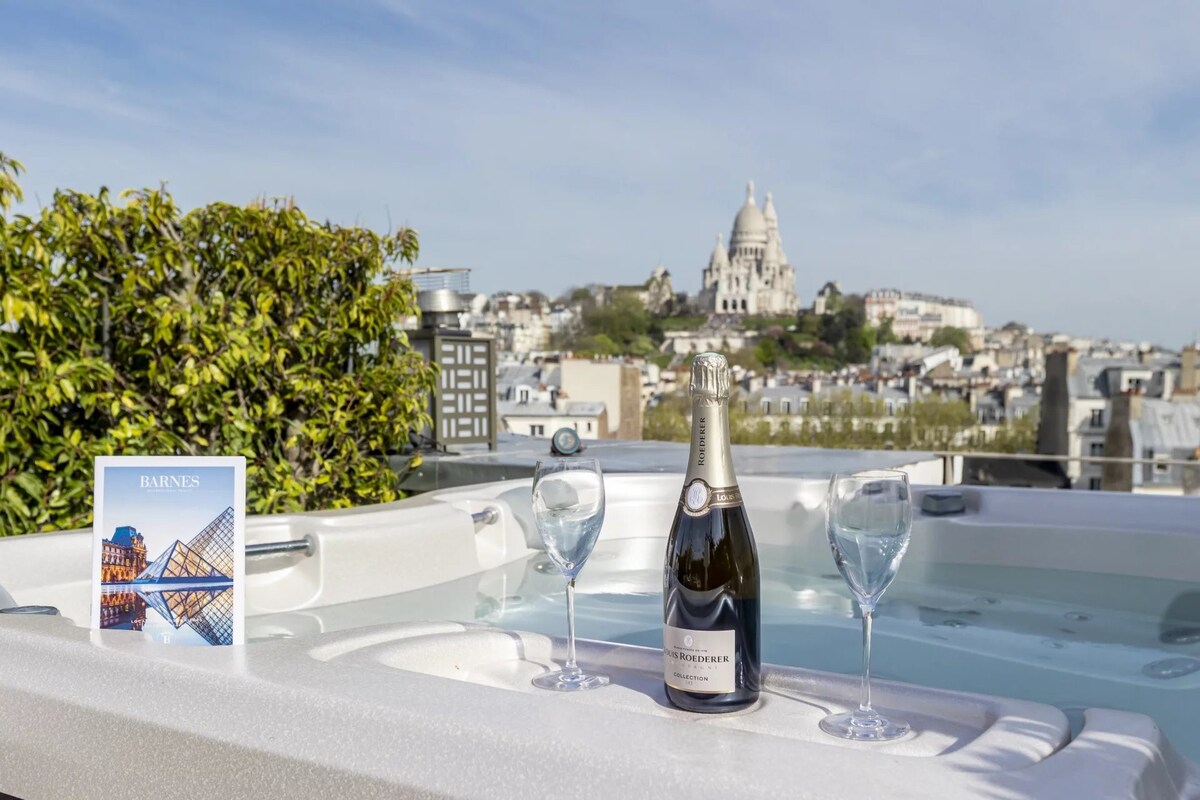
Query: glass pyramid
208	557
209	612
214	543
179	563
214	620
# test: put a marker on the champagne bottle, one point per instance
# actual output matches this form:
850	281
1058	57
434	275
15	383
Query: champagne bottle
710	576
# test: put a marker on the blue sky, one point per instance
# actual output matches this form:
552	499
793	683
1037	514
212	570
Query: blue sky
1041	159
164	516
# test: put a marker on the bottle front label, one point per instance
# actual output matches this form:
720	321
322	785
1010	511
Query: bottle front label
699	498
699	661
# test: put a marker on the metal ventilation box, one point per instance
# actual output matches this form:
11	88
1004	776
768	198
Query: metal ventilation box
463	406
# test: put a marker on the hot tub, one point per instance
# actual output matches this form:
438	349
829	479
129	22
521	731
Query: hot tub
395	659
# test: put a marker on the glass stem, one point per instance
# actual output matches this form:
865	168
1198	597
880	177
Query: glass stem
571	666
864	706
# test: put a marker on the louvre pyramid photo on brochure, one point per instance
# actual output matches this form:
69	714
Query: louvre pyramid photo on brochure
169	548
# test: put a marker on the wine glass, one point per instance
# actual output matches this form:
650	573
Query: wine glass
568	508
868	516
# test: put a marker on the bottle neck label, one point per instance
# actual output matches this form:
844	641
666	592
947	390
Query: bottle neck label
710	459
699	498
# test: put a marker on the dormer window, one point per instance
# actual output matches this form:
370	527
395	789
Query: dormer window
522	394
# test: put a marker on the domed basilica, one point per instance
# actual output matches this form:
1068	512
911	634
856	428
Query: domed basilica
753	276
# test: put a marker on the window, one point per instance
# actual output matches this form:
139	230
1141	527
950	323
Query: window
537	430
589	427
1161	469
766	406
1136	384
1094	484
1097	417
786	406
522	394
1097	448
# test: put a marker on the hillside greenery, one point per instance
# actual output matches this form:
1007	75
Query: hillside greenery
623	326
954	337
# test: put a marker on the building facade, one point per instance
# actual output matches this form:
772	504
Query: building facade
827	298
720	334
540	419
123	557
599	399
122	609
1077	405
657	294
917	316
615	384
752	275
1164	432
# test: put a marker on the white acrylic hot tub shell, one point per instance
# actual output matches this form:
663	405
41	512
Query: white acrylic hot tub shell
445	709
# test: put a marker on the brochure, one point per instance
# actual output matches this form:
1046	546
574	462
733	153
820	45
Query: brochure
168	547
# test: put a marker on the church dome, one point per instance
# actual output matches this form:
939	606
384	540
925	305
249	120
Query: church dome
750	226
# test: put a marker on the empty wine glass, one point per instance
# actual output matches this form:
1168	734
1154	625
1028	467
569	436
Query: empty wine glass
868	516
568	508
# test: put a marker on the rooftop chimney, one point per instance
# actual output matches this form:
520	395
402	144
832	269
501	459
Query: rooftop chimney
1118	441
1188	382
439	308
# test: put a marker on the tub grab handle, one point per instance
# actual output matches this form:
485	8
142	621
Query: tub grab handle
487	516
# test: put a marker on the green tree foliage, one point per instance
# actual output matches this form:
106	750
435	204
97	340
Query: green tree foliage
846	331
938	423
885	334
809	326
1019	436
845	421
669	420
769	352
619	327
826	341
128	327
955	337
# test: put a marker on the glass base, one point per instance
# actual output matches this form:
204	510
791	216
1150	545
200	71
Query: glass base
574	681
864	726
